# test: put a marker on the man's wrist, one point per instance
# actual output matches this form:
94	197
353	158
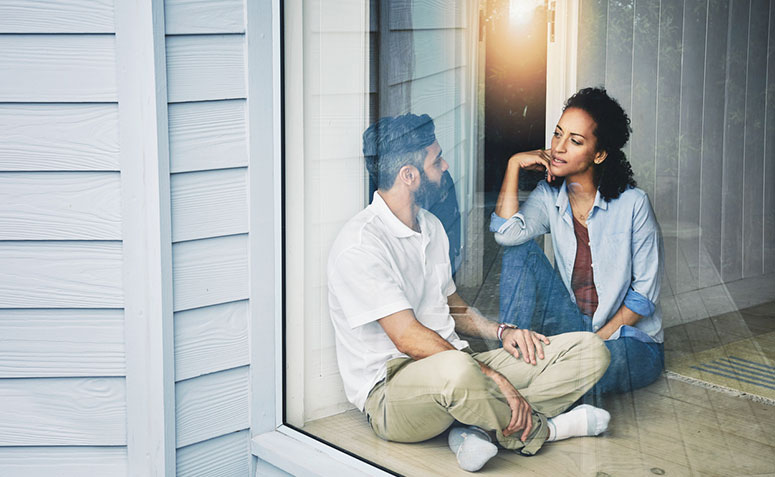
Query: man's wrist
502	328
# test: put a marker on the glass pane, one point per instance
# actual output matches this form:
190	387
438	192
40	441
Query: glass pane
642	234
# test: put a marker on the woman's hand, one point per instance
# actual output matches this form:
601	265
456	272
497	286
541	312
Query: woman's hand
537	160
528	343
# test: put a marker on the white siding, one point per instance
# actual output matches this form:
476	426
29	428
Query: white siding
63	461
63	411
58	137
206	80
62	357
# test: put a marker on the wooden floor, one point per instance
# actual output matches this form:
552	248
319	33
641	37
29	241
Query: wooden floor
670	428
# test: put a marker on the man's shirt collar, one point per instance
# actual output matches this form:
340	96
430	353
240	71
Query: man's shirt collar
393	223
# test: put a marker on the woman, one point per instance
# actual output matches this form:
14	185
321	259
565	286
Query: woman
607	244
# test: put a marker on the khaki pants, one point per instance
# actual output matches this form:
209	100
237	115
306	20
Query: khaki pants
420	399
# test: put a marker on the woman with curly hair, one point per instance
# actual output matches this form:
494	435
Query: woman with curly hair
607	244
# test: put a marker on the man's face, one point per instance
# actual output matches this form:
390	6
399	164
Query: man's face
435	165
429	191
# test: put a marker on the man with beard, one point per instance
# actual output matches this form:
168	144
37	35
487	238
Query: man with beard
396	316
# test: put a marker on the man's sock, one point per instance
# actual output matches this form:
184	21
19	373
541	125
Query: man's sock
583	420
472	447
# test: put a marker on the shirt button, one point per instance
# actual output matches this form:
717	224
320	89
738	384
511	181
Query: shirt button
589	243
592	265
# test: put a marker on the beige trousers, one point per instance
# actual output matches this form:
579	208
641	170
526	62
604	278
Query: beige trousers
420	399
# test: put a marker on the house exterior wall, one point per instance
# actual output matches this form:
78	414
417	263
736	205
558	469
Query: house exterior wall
706	160
70	168
208	152
62	357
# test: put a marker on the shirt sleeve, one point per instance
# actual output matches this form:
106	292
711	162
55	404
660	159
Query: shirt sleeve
647	262
531	221
365	286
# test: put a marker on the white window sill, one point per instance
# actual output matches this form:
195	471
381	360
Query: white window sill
300	455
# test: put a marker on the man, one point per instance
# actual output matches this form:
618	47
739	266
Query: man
399	354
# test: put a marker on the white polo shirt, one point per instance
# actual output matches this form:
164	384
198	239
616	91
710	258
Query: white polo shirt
379	266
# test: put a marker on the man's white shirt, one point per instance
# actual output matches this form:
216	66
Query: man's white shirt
378	266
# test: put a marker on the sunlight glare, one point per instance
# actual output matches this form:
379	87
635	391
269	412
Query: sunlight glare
521	11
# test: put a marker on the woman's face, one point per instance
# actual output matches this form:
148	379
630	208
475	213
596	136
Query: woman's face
573	145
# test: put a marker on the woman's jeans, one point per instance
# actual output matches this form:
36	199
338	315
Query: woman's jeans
533	296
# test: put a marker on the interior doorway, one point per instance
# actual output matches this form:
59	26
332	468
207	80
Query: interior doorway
515	83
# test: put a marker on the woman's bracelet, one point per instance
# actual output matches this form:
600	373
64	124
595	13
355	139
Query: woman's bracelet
502	327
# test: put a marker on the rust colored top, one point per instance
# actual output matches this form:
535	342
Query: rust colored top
582	280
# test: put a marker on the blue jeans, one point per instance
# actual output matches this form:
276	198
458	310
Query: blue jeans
533	296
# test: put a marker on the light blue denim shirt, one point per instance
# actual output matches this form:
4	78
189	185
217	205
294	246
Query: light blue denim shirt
625	243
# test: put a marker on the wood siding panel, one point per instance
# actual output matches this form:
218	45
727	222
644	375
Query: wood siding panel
207	135
60	206
59	343
211	406
182	17
427	14
644	102
54	137
690	144
63	411
60	275
755	110
211	339
209	272
711	200
668	120
53	68
437	51
52	16
592	43
225	456
769	153
63	461
734	142
206	67
438	94
209	204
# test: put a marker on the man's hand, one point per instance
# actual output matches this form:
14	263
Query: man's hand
525	342
521	412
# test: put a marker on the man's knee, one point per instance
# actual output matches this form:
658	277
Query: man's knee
588	347
599	353
457	369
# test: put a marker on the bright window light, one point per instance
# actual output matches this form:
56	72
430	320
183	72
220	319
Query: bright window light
521	11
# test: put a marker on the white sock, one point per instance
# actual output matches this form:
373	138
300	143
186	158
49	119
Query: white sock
583	420
472	447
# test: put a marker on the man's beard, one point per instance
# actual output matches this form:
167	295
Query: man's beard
428	194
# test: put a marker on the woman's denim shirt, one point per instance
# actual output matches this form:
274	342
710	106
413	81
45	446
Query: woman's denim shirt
626	247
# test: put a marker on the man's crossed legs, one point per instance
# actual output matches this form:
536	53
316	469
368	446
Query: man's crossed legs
421	399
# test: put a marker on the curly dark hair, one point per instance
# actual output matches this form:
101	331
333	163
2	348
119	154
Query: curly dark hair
612	131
